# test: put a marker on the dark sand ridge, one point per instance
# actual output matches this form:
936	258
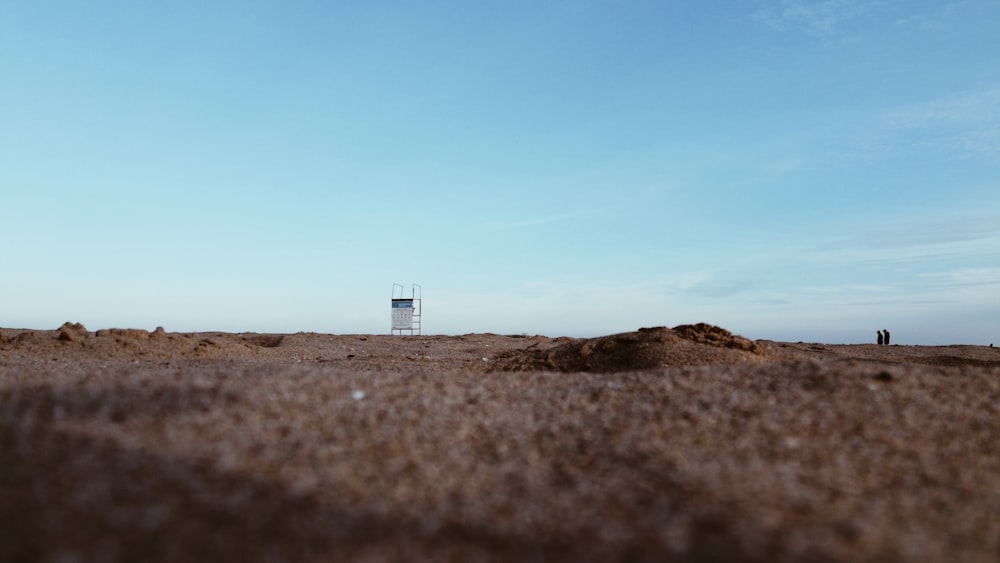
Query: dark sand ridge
136	445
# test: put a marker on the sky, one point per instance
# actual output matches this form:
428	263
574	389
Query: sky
785	169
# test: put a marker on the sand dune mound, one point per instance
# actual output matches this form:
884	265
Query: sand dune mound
646	348
716	336
70	332
110	342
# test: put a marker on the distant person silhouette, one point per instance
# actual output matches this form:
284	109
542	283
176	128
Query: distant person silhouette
880	338
886	336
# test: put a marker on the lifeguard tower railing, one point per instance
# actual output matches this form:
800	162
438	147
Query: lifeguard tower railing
406	311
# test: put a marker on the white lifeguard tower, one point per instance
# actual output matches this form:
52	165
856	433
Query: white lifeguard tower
406	311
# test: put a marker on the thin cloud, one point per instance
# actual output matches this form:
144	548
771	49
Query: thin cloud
966	123
505	224
976	106
528	222
939	18
894	302
723	288
822	19
923	234
964	278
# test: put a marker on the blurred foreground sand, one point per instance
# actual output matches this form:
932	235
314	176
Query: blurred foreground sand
683	444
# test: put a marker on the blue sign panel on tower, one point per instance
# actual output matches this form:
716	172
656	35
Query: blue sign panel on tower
402	314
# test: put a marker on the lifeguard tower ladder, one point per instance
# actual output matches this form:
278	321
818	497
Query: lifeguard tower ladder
406	311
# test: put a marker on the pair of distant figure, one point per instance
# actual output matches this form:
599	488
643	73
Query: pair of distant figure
883	339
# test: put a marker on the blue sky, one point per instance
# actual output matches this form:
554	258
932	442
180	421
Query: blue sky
785	169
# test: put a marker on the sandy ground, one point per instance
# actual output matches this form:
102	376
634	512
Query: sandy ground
684	444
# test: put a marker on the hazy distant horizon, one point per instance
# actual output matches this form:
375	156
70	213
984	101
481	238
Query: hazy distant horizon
901	337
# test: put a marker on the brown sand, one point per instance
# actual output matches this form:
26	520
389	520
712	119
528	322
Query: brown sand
685	444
